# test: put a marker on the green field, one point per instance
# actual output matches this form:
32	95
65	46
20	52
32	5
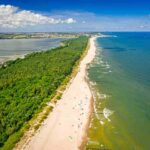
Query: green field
26	85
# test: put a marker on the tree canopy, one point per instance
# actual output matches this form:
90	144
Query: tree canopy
27	84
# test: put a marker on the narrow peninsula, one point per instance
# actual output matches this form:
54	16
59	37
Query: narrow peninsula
28	85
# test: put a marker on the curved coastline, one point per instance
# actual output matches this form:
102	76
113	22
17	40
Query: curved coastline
66	127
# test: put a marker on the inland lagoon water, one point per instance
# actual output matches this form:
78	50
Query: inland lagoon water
120	81
13	48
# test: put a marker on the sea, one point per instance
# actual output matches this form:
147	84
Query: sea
14	48
120	82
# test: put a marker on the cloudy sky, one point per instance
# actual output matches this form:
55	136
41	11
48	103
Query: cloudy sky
74	15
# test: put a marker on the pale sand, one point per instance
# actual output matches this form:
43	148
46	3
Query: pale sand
65	127
4	59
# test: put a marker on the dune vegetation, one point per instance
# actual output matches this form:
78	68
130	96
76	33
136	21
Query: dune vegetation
26	85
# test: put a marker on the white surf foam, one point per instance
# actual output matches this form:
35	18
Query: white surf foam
107	113
101	122
101	96
93	142
92	83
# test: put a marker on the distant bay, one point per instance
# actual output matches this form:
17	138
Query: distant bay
15	48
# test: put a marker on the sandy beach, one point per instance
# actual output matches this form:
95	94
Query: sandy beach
65	127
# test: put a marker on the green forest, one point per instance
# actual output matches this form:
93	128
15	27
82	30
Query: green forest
26	85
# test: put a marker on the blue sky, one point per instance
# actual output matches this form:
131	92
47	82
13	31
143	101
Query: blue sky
74	15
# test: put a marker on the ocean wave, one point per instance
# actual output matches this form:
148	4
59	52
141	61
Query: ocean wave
107	66
101	96
107	112
115	36
92	83
109	36
106	72
102	114
93	142
97	61
102	122
104	63
101	61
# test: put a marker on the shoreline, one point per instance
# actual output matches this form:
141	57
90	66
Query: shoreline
66	126
12	57
4	59
91	107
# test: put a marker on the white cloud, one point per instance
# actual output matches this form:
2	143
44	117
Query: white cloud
70	20
13	17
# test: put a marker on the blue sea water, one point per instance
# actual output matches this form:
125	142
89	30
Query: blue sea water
121	77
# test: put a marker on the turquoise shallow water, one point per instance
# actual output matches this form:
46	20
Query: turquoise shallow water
120	76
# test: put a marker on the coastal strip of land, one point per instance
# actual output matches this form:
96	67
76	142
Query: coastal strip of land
29	88
65	127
